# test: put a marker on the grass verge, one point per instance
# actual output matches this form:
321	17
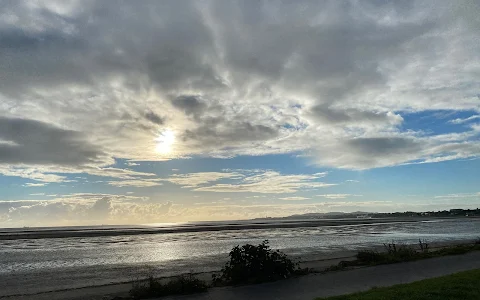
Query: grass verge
402	253
461	286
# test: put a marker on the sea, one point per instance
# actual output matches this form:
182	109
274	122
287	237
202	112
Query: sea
35	265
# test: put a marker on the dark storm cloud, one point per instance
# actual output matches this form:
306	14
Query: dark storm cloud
34	142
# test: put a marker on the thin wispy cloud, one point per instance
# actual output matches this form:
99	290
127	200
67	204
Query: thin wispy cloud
192	180
136	183
34	184
294	198
269	182
456	196
338	196
461	121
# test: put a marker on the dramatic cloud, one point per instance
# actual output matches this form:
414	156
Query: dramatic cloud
233	79
116	89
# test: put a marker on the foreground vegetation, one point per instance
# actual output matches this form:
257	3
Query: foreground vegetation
461	286
255	264
258	263
247	264
402	253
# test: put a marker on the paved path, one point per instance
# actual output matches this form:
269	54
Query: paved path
344	282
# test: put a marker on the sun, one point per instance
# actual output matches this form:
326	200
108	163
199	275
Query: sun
165	141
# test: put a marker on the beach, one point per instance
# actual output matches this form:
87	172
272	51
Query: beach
350	281
104	265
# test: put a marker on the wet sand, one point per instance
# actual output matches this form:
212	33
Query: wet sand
121	289
111	231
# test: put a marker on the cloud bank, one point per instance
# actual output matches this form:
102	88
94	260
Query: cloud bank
333	80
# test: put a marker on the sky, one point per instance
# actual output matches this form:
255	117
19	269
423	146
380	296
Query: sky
135	112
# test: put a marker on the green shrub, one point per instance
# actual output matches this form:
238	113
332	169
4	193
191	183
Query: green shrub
182	285
253	264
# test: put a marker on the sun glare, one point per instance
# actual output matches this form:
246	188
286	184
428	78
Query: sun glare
165	141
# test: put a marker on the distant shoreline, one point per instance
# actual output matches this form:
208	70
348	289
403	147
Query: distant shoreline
67	233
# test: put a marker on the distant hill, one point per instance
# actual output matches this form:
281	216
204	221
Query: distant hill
456	212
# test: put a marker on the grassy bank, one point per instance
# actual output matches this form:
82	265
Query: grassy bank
395	253
461	286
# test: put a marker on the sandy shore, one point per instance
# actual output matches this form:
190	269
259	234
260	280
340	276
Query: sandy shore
66	233
121	289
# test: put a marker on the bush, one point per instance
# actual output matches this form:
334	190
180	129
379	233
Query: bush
182	285
254	264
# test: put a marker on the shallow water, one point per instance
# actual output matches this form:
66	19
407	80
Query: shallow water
34	265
